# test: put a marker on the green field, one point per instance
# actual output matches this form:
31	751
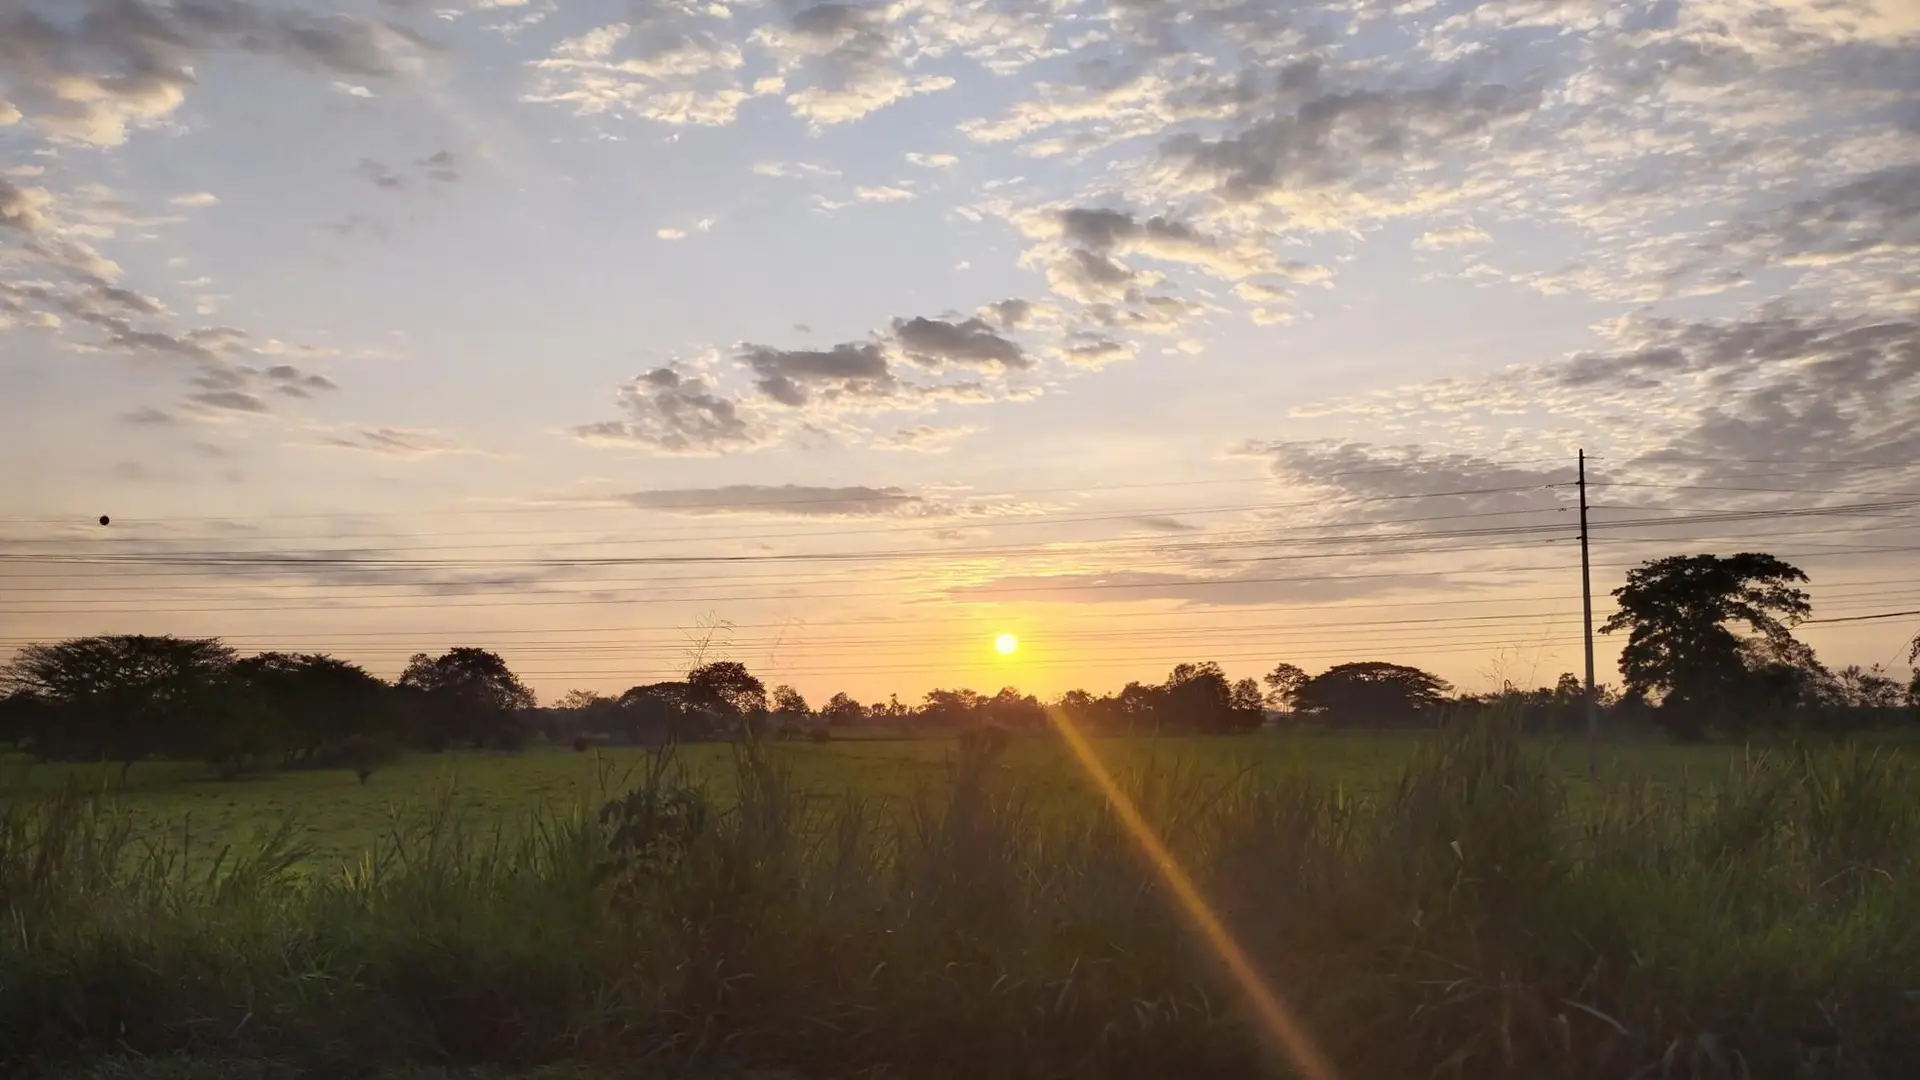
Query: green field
337	819
1456	904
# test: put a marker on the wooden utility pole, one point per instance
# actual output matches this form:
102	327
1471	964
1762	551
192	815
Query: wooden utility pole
1586	607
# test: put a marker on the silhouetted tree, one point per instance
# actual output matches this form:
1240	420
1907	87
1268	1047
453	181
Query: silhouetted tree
661	712
310	703
1137	707
727	688
1283	682
1249	705
1372	693
1679	647
789	703
842	710
465	694
1199	696
1014	711
951	708
121	697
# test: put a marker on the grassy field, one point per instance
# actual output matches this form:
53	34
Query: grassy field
1460	905
338	819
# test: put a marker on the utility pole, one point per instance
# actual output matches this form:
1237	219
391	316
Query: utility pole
1586	608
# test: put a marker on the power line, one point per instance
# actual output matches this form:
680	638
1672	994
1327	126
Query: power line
1865	618
963	591
360	559
613	503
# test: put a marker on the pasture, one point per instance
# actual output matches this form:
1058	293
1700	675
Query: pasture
1458	904
336	819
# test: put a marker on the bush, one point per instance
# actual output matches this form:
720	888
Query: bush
366	754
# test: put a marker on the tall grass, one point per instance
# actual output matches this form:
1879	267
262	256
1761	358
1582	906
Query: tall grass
1475	920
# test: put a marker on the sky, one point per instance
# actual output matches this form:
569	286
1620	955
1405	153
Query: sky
839	338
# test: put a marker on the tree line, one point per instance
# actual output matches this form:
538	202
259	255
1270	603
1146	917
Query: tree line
1686	667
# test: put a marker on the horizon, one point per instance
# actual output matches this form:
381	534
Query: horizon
1243	333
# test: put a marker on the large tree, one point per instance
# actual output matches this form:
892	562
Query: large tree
1680	649
1199	696
316	702
1283	682
1372	693
726	687
465	694
121	697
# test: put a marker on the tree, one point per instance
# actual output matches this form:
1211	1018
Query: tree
1283	682
310	702
465	694
121	697
581	701
951	708
789	704
1679	647
1249	704
1014	711
1199	696
1867	688
726	687
1372	693
1138	706
661	712
842	710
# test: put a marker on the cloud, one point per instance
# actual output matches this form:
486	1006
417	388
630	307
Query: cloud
1330	156
1165	524
847	59
883	194
1414	478
1307	583
970	343
149	416
229	400
671	65
394	442
381	176
1011	313
1452	236
932	161
1092	350
124	64
674	412
440	167
923	439
196	198
785	500
793	377
670	234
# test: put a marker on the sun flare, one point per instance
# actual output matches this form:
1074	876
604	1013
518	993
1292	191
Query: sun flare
1005	644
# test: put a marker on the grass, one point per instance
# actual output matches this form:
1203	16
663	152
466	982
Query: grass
1464	914
337	820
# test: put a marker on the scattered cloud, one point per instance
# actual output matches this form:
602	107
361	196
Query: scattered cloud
126	64
970	343
1452	236
672	411
393	442
923	439
784	500
196	198
793	377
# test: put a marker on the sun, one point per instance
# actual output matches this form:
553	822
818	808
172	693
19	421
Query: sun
1005	644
